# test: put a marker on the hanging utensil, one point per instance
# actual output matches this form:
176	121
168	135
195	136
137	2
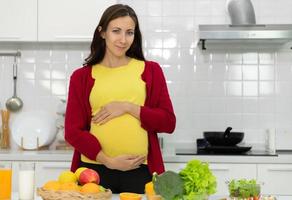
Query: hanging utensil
14	103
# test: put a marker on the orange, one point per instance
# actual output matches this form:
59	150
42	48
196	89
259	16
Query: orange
130	196
69	186
90	188
149	188
52	185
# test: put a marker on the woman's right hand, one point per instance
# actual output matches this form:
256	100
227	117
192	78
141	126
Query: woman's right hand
122	162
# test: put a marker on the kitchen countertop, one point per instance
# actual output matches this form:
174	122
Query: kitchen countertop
283	157
40	155
116	197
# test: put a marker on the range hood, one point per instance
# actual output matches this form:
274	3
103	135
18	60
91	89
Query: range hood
255	32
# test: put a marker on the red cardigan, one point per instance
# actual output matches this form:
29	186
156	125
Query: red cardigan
156	115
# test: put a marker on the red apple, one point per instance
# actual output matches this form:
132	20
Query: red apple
89	176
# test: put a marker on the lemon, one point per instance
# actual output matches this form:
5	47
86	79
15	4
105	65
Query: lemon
67	177
78	171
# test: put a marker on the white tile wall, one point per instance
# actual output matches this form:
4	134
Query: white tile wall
246	87
43	73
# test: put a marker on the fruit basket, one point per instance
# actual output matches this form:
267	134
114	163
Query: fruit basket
73	195
83	184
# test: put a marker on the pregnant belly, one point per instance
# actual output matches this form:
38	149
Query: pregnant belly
122	135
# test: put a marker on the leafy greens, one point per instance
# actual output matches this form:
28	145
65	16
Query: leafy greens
198	180
244	188
194	182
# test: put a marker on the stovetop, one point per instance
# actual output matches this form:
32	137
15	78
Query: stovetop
203	147
252	152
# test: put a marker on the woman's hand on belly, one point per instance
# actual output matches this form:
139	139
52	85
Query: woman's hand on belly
122	162
110	111
126	162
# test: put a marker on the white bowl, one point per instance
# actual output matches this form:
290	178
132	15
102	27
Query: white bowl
31	126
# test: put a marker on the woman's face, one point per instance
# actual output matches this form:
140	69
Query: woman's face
119	36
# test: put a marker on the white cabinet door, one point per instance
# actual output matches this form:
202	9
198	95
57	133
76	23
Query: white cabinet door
176	167
227	172
67	20
223	173
46	171
276	178
18	20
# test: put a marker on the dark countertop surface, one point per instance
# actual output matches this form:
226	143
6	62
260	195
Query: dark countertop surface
201	153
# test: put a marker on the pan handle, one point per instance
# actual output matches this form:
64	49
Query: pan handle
227	132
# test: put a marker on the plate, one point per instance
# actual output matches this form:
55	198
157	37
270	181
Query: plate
33	126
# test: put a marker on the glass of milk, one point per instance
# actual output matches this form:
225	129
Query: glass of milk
26	178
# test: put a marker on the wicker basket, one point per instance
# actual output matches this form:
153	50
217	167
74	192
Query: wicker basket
72	195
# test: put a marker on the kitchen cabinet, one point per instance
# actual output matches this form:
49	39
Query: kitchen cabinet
275	178
18	20
54	20
69	20
275	172
176	167
227	172
49	171
223	173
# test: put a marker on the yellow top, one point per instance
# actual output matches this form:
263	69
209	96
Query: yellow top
123	134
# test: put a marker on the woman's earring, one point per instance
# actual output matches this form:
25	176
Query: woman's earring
101	35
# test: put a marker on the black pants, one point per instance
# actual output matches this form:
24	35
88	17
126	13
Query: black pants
121	181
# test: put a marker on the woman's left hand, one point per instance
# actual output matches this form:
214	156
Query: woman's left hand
109	111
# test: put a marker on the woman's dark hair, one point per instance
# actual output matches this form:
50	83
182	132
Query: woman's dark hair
98	43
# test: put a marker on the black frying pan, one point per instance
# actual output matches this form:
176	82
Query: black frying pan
226	138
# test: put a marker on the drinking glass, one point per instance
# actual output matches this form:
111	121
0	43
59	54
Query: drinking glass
26	179
5	180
